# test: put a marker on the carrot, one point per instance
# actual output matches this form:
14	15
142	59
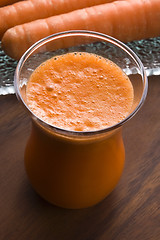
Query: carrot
27	11
7	2
125	20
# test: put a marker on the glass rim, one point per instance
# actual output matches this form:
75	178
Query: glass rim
101	37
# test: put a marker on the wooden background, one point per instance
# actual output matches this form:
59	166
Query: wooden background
130	212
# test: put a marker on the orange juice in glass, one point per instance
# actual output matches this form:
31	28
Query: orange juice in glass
79	88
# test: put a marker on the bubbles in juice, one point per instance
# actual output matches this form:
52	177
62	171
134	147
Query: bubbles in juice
80	92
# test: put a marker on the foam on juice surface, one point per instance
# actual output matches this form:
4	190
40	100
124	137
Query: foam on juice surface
80	92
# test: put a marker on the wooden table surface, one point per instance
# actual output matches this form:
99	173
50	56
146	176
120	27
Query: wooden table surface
130	212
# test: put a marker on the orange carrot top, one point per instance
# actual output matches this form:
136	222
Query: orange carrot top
27	11
126	20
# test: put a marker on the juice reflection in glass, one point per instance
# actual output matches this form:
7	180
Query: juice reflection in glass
68	167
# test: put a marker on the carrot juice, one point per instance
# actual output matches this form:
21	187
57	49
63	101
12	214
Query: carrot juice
77	92
80	92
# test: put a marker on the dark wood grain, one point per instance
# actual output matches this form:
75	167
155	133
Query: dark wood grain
131	211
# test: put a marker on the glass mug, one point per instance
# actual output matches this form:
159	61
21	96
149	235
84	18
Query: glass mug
74	169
